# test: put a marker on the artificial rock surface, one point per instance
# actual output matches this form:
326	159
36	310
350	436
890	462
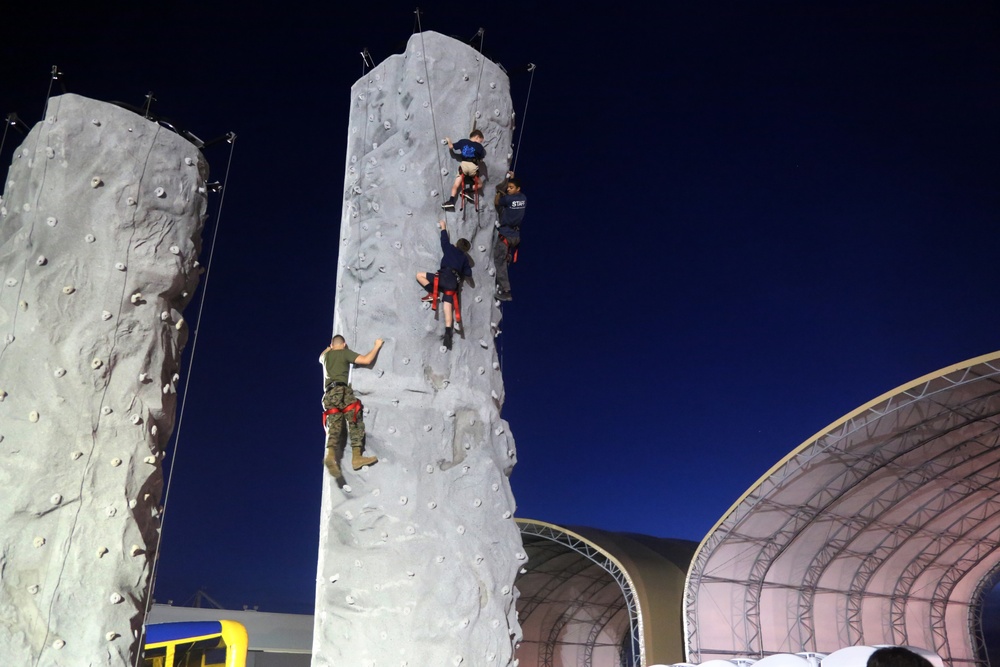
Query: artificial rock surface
100	227
418	553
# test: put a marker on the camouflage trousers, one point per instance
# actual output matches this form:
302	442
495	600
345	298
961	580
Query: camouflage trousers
340	397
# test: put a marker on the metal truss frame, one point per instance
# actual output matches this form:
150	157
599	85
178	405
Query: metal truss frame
607	563
958	481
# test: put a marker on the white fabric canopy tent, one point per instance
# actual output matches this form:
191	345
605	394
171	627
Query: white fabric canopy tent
881	529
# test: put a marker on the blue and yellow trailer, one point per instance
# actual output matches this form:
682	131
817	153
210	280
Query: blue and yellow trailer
196	644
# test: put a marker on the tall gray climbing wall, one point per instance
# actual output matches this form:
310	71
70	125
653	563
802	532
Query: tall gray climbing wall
418	553
100	227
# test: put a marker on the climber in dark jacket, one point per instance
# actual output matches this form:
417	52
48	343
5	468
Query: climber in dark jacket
455	267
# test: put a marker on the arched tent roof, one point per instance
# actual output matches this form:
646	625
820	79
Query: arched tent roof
588	596
882	528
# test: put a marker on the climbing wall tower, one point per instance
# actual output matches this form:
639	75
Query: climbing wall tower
100	227
418	553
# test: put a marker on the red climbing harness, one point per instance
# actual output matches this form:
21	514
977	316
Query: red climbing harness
510	258
452	293
471	184
353	407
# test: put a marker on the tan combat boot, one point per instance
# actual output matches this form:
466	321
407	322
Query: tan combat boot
359	461
331	462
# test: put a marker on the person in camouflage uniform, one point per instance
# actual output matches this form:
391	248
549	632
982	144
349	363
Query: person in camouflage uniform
340	404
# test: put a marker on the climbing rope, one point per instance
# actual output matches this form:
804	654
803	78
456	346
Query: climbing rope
482	66
524	117
187	383
364	149
56	76
6	126
430	98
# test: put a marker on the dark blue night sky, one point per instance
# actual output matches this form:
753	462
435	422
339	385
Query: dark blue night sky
746	219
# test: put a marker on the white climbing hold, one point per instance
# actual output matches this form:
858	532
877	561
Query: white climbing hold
334	578
51	221
493	85
89	238
38	542
496	112
101	551
427	428
151	460
55	499
106	410
136	298
33	416
115	462
465	469
479	299
33	589
120	266
440	559
496	487
115	598
520	555
111	636
41	261
523	571
461	530
479	559
188	161
180	324
403	500
58	644
111	511
175	250
96	182
26	207
429	468
76	455
131	201
96	122
392	429
491	271
106	315
349	599
10	282
431	505
49	153
153	430
23	305
160	193
136	419
505	590
478	502
483	344
68	289
481	370
387	125
164	316
96	363
135	550
410	530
